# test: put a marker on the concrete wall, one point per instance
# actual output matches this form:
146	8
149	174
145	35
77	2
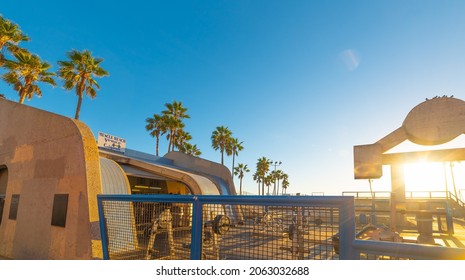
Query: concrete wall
48	154
205	167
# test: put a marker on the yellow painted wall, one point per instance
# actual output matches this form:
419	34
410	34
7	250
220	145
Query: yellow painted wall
176	188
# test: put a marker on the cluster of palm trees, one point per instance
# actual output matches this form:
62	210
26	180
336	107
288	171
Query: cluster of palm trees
223	140
170	122
266	177
24	70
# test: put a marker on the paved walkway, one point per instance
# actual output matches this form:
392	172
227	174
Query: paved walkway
456	240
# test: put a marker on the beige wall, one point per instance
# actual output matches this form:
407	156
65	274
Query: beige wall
48	154
205	167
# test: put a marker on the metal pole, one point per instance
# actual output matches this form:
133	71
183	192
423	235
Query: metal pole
453	179
347	231
196	237
103	232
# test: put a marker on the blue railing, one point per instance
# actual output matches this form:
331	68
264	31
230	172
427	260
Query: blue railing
257	227
330	215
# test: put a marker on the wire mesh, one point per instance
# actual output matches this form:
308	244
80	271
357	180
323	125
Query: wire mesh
262	230
270	233
148	230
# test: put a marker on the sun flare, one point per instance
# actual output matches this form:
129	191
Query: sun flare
425	176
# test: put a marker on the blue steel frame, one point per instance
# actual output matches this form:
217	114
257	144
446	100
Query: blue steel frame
344	204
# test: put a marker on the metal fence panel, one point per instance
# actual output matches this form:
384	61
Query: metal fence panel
225	227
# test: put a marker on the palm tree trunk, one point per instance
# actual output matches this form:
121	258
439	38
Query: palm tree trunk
22	96
240	187
170	141
78	108
232	170
222	152
156	149
263	187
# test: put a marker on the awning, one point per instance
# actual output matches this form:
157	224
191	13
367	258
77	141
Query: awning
137	172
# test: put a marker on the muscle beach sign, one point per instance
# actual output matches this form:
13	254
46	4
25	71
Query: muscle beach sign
111	142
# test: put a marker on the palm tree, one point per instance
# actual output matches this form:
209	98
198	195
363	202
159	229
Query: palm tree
10	37
233	148
268	181
285	183
240	171
172	126
79	73
263	166
175	112
190	149
278	176
181	137
24	73
220	139
257	178
176	109
273	176
156	126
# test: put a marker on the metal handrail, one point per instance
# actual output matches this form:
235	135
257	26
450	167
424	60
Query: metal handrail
409	195
365	194
409	251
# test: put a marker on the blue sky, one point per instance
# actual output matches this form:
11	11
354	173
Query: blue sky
300	82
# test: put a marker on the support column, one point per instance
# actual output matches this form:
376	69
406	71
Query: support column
397	197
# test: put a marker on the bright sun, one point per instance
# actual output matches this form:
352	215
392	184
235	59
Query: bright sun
425	176
435	176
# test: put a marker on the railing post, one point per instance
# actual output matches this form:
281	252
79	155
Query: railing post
347	231
103	232
196	231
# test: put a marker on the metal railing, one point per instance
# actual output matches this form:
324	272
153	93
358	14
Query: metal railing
368	195
226	227
243	227
409	195
369	249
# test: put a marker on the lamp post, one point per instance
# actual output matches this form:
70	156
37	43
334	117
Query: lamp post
275	164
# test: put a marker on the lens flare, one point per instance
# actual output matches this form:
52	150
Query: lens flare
350	58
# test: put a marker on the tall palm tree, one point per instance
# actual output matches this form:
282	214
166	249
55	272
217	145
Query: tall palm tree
240	171
220	139
175	112
263	166
273	176
278	176
233	148
156	127
25	72
10	37
172	126
79	73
